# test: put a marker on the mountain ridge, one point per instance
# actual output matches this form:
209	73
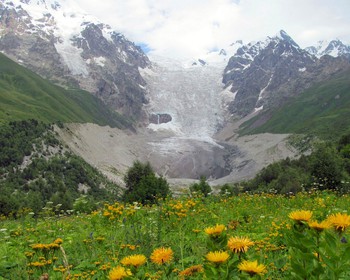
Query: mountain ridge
75	50
267	73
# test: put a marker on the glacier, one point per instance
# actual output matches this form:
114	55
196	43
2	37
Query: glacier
190	94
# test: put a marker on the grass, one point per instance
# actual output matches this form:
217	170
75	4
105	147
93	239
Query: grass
323	110
25	95
91	245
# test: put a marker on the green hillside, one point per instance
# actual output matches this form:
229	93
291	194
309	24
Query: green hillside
25	95
322	110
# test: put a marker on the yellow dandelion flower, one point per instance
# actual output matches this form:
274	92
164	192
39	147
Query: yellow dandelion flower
239	244
38	246
119	273
301	216
190	271
134	260
217	257
100	238
58	241
29	254
132	247
339	221
215	231
53	246
252	267
319	226
162	255
37	264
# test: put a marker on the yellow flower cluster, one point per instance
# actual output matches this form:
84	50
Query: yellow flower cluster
340	222
159	256
134	260
47	247
114	211
129	246
62	268
215	231
180	208
191	271
267	246
37	264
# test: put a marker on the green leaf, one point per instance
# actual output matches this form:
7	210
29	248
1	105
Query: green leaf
298	269
331	240
346	254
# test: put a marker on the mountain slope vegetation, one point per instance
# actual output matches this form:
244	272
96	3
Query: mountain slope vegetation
322	110
36	169
25	95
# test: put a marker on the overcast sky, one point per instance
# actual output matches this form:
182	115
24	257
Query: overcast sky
193	27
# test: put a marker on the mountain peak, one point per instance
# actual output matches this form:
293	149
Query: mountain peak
283	36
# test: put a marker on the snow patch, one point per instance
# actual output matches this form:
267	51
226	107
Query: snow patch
228	96
147	72
263	90
100	61
72	58
107	34
302	69
258	109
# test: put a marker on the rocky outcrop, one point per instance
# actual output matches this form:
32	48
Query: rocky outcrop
160	118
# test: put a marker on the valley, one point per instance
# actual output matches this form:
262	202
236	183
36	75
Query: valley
198	141
184	116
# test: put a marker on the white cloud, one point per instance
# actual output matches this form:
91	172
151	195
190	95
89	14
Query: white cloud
192	27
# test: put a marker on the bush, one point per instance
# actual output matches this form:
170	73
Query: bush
142	185
230	190
327	167
201	187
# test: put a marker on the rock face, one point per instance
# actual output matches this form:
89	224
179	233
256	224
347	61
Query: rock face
73	49
160	118
266	74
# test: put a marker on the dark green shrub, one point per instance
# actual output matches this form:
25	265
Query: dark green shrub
201	187
142	185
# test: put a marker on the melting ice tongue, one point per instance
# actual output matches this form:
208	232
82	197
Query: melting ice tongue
190	95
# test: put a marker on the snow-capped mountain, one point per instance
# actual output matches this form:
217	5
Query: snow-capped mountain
59	41
265	74
333	48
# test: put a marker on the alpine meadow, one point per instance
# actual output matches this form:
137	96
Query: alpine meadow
148	140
